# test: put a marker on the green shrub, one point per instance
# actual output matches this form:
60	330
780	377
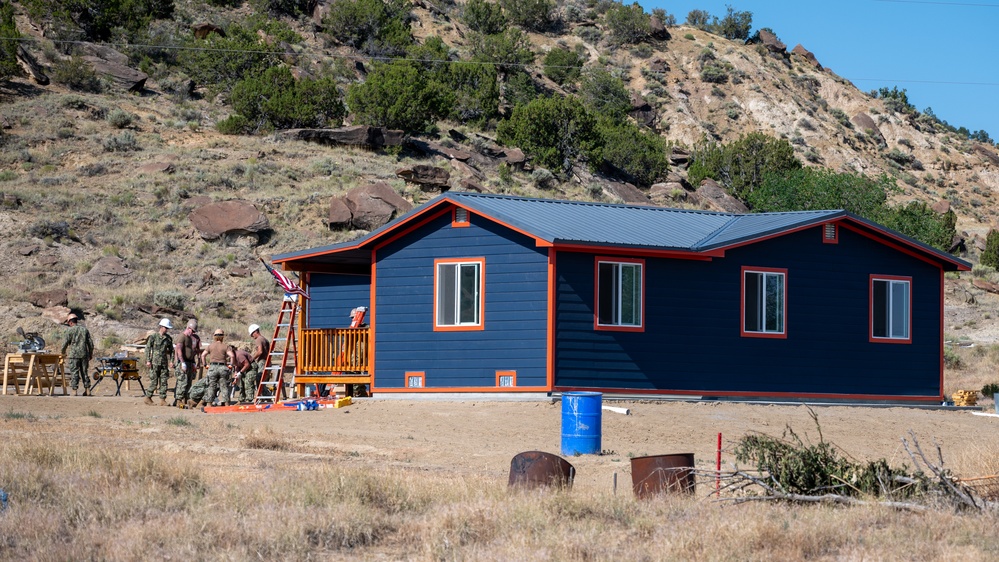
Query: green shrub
98	20
554	131
990	256
841	116
282	7
275	100
520	88
714	74
170	299
919	221
535	15
124	142
562	65
605	94
398	95
483	17
636	155
990	389
812	189
220	62
627	24
119	118
474	92
376	27
76	74
8	43
740	166
698	19
735	25
509	51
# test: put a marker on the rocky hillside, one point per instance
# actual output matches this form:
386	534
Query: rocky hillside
126	205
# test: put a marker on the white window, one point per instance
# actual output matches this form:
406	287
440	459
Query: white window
890	305
459	294
764	294
619	294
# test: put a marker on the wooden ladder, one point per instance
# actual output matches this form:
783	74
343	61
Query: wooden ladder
283	355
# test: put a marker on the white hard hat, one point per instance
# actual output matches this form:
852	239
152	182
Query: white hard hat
166	324
252	328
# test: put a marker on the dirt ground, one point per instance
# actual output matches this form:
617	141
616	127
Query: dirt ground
478	437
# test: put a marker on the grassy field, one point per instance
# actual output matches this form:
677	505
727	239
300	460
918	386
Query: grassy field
111	480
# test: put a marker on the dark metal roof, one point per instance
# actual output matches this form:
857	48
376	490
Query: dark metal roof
602	224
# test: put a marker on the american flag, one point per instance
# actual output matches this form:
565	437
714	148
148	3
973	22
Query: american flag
289	286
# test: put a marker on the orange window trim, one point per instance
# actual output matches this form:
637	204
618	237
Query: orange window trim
482	295
596	295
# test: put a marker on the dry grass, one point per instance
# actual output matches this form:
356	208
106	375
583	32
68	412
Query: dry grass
91	499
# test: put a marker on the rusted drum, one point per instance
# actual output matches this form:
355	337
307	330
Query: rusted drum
662	474
534	469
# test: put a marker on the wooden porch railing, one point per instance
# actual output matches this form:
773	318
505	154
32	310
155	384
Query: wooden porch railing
334	350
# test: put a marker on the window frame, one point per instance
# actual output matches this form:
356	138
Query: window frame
618	261
764	271
511	374
420	375
480	298
890	280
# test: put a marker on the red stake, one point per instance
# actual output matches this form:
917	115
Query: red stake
718	466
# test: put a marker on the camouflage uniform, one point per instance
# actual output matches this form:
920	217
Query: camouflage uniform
198	389
159	350
218	373
81	350
185	366
260	353
246	387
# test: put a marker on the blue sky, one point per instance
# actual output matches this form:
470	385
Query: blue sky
944	54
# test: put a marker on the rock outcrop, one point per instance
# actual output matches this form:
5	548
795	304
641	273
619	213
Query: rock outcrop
236	217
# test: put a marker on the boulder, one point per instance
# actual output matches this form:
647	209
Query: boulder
31	66
658	29
235	217
867	124
986	153
716	198
28	250
9	201
431	148
375	204
56	314
358	135
771	42
659	66
319	11
941	207
467	184
339	215
467	171
80	296
120	75
109	271
626	192
641	110
986	286
679	157
157	167
667	192
515	157
48	298
203	30
807	55
427	177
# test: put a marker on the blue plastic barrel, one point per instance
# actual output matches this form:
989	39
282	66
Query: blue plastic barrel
581	421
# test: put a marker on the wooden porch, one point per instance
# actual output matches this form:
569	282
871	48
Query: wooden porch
333	356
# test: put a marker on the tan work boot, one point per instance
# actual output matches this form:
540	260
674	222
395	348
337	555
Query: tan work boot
200	404
148	401
163	402
191	404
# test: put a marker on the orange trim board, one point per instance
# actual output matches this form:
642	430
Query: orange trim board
481	261
446	389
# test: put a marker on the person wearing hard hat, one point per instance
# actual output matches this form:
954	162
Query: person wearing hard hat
217	356
159	349
81	351
261	348
186	352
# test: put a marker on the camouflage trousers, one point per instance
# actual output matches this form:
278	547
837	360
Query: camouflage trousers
182	391
158	375
248	382
77	367
198	389
218	382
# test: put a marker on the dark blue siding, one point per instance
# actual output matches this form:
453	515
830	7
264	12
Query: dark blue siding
334	296
515	309
692	341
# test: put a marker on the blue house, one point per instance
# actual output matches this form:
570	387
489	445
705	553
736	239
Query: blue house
490	293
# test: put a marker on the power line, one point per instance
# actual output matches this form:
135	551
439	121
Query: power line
940	3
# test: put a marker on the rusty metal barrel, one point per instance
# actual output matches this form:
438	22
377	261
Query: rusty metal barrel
534	469
662	474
